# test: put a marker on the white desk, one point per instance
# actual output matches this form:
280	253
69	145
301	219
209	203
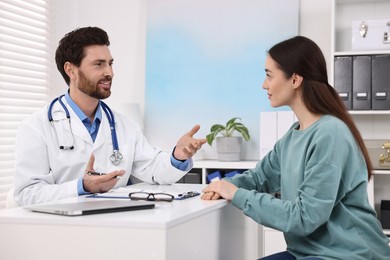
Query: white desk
184	229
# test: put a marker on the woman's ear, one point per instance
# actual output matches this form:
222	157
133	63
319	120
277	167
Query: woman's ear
296	80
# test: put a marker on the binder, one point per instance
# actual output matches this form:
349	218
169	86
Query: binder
361	83
343	79
232	173
215	176
385	213
268	132
285	119
380	82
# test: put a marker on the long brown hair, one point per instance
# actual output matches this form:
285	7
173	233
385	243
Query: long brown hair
302	56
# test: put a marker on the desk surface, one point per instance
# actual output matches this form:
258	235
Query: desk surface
183	229
164	215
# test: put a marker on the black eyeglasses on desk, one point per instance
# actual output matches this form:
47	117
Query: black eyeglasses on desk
140	195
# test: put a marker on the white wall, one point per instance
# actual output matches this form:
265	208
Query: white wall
315	22
126	25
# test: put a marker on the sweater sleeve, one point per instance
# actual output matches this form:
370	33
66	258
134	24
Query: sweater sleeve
265	177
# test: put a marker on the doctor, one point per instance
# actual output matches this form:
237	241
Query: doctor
77	133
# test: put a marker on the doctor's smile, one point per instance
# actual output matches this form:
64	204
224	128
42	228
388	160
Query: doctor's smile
105	84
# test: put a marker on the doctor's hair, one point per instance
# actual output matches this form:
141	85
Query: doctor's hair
302	56
71	47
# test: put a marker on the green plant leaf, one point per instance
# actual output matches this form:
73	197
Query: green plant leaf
244	132
215	130
217	127
228	130
231	123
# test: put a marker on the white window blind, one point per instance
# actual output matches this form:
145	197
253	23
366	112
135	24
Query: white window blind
24	74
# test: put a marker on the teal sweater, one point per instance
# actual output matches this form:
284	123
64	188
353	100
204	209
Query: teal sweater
324	209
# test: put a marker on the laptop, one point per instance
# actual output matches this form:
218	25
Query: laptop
90	207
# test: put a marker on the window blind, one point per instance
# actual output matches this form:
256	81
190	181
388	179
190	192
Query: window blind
24	74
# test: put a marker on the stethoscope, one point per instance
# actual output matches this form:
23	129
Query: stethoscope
116	156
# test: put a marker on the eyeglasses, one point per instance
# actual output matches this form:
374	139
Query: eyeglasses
151	196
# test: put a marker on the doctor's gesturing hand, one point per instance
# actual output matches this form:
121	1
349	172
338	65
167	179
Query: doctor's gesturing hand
102	183
187	145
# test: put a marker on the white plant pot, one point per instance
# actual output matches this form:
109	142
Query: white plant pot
229	148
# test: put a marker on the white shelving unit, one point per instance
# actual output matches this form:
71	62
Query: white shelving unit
373	124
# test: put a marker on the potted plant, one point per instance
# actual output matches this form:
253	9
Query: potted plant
228	146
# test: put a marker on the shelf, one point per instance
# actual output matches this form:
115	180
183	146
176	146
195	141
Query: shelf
210	165
359	1
357	53
369	112
214	164
381	172
347	11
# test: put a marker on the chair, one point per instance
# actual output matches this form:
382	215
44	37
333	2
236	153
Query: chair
10	201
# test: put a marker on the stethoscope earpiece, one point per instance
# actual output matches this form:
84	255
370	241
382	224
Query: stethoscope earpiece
116	156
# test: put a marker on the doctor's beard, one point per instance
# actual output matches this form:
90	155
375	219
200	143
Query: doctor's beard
91	88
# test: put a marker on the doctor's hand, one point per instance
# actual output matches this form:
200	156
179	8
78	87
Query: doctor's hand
187	145
100	183
218	189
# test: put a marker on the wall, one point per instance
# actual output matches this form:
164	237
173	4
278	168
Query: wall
205	65
316	23
125	23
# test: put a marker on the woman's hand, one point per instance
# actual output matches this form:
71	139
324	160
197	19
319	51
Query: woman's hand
218	189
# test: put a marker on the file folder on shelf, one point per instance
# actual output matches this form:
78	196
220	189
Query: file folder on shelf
380	82
361	83
215	176
343	79
232	173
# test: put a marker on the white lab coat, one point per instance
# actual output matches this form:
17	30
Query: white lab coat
44	172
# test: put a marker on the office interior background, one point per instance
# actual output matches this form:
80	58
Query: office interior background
29	80
31	29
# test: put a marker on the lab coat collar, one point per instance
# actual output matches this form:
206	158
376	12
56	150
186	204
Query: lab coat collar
78	128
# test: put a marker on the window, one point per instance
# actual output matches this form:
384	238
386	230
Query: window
24	74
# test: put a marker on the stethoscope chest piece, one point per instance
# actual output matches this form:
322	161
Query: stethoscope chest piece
116	157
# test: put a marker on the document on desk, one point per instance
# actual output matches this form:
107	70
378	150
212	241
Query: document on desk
123	193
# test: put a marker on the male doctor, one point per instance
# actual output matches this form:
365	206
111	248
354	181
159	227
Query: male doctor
58	147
